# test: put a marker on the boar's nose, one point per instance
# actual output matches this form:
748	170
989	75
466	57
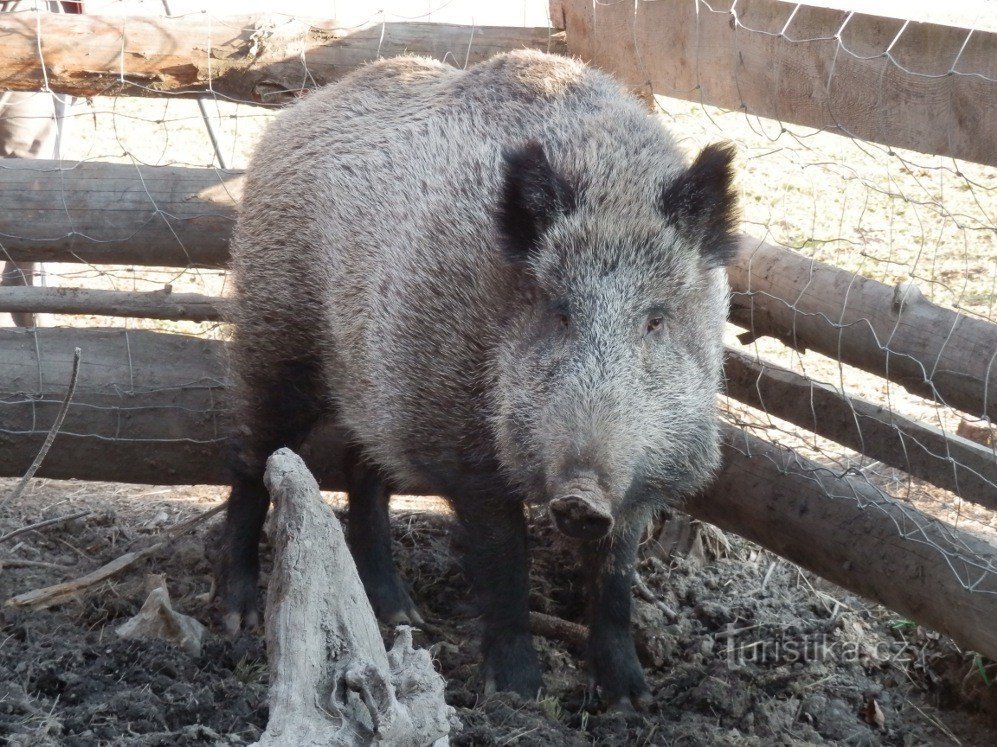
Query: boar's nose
581	510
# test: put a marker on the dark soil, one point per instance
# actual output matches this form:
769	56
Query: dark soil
757	653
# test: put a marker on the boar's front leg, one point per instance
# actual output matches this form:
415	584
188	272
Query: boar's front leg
493	540
611	651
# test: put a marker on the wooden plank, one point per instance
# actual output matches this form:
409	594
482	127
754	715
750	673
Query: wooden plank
943	459
149	408
923	86
163	304
264	59
892	332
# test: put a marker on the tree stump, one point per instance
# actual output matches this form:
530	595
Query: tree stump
331	679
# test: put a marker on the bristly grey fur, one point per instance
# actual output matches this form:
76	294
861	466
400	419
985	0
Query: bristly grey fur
504	283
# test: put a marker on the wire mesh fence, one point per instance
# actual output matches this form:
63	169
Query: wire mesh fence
872	210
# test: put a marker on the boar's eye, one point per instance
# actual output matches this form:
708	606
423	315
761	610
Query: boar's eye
654	323
559	315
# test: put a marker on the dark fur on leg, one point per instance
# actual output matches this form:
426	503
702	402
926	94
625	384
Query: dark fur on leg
281	410
611	651
493	536
370	543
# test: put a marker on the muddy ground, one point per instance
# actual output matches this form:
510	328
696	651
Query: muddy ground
743	649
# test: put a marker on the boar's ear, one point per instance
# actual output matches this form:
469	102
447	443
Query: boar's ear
701	200
533	196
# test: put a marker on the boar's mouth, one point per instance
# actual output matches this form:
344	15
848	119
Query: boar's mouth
581	511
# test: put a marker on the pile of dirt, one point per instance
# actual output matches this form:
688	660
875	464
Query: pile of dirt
741	650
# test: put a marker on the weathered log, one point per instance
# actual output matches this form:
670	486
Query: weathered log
892	332
163	304
149	407
111	213
265	59
924	86
854	535
331	680
944	459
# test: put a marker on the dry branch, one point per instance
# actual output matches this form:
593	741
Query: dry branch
891	332
924	86
50	596
193	307
943	459
331	680
42	524
268	59
854	535
53	431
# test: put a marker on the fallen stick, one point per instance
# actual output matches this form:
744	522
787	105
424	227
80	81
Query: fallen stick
40	524
557	628
331	680
49	596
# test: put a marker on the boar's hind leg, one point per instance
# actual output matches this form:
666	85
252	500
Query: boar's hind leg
281	404
370	543
611	652
493	539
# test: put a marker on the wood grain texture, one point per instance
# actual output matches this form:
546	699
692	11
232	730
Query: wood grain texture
926	87
847	531
110	213
194	307
944	459
892	332
263	59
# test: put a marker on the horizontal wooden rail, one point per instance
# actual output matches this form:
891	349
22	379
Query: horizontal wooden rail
943	459
924	86
106	213
112	213
892	332
193	307
267	59
149	408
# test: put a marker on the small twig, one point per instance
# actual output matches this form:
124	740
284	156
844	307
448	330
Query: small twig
53	431
643	592
45	523
177	529
19	563
558	628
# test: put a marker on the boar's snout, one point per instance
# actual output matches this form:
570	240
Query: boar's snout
581	510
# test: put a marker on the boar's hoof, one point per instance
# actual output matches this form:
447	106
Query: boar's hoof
581	517
513	667
239	604
631	706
